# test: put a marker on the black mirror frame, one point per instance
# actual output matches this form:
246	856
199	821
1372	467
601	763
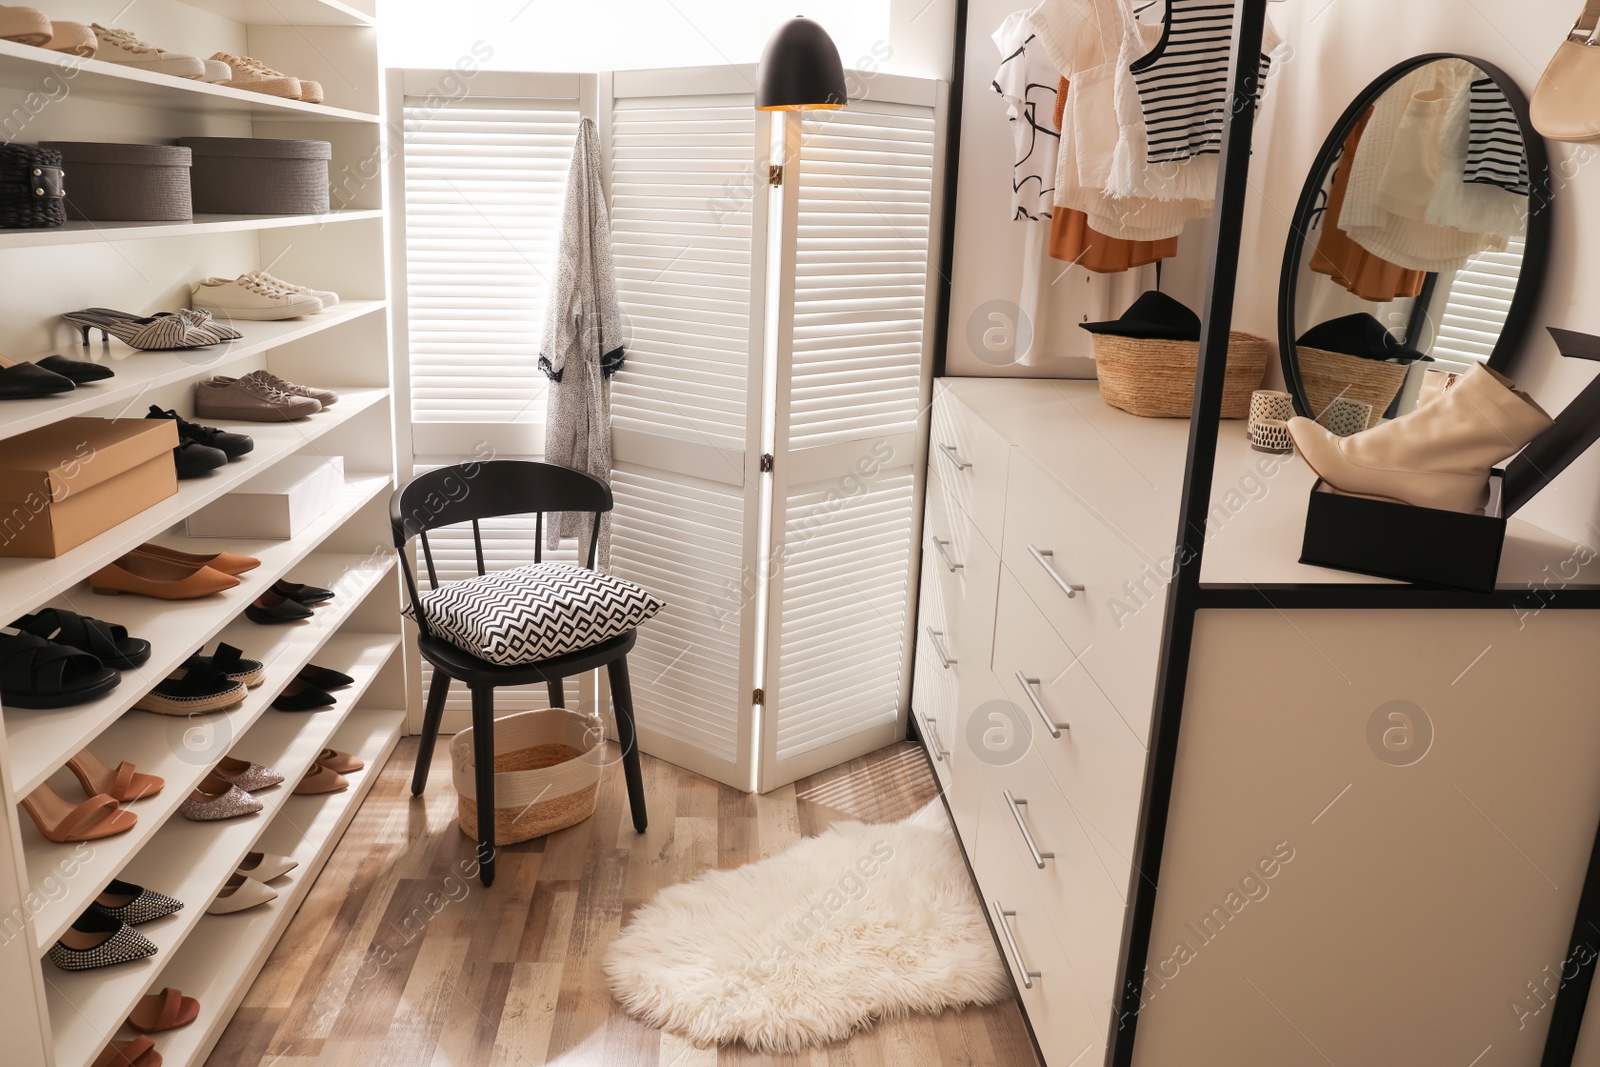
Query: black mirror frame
1536	255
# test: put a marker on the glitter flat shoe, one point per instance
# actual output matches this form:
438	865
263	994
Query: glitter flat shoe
251	777
214	800
134	904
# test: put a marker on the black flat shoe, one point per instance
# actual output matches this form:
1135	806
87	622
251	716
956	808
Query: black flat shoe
231	664
196	460
232	445
302	696
324	677
309	595
106	641
28	381
271	608
81	371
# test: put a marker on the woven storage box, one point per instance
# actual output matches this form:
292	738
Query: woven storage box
30	188
259	175
125	182
1326	375
546	774
1155	378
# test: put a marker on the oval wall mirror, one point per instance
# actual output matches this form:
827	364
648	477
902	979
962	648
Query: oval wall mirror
1418	245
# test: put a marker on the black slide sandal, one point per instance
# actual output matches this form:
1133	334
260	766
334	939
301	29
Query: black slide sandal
107	641
34	673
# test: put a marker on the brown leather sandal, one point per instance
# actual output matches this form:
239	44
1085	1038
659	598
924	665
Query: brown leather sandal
64	824
140	1052
166	1010
123	784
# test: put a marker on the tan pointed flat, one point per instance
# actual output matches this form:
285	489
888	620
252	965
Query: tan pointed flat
159	578
339	762
226	562
320	781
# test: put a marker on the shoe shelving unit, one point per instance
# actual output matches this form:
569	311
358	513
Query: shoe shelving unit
59	1019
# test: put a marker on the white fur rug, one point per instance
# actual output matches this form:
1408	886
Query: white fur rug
807	947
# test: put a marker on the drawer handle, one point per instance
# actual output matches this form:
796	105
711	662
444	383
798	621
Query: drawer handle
933	638
1046	560
939	752
1050	724
1016	813
953	456
1000	917
950	565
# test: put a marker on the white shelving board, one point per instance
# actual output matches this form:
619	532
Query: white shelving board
286	12
191	861
182	749
23	68
25	583
218	963
83	231
139	372
43	740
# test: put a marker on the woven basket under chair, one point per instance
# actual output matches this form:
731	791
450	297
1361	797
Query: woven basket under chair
30	188
1155	378
1326	375
546	773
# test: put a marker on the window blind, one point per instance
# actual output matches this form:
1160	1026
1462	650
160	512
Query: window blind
484	181
1477	305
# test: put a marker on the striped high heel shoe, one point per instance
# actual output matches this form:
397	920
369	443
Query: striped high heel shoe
152	333
200	319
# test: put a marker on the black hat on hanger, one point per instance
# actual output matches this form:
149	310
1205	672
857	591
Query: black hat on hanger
1156	316
1359	335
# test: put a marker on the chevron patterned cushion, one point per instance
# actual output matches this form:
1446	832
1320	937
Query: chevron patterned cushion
532	613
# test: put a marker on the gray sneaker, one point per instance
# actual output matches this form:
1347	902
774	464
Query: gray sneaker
325	397
250	399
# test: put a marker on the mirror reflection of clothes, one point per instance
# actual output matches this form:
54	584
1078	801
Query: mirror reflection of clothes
1407	200
1347	263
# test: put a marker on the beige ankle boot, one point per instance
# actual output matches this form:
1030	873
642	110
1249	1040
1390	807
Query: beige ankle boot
1437	456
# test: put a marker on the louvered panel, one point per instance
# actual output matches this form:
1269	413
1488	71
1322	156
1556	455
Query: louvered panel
681	187
841	629
684	539
484	184
1475	308
864	221
507	542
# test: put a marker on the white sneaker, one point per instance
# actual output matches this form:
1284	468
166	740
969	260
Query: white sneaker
245	297
327	296
216	71
120	46
250	74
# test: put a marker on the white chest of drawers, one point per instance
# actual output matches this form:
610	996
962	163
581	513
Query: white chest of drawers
1046	556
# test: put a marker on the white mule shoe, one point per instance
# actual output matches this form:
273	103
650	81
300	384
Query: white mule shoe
239	894
1436	456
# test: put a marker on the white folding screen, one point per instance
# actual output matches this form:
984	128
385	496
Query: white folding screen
784	647
860	188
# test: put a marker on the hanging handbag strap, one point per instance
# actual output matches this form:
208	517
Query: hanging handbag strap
1583	31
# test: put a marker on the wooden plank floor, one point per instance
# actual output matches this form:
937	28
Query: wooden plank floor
399	958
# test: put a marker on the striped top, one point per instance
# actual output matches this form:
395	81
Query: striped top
1183	81
1496	154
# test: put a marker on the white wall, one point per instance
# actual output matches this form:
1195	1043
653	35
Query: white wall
594	35
1341	45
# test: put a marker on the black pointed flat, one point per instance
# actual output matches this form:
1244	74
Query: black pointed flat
81	371
309	595
271	608
28	381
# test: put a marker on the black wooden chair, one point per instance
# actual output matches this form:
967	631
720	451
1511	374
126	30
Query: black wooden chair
469	492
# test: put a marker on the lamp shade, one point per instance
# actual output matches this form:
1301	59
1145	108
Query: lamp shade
800	70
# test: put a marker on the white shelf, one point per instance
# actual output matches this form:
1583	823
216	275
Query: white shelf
191	861
139	372
23	69
27	583
286	12
43	740
218	963
182	749
80	231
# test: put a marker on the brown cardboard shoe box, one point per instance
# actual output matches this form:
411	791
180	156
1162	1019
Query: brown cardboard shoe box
64	483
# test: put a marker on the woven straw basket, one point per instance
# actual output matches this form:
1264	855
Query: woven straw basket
1327	375
546	774
1155	378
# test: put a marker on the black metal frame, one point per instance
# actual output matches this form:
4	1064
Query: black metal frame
1188	595
952	169
1536	255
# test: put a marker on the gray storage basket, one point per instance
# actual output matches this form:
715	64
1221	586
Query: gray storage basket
259	175
125	182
